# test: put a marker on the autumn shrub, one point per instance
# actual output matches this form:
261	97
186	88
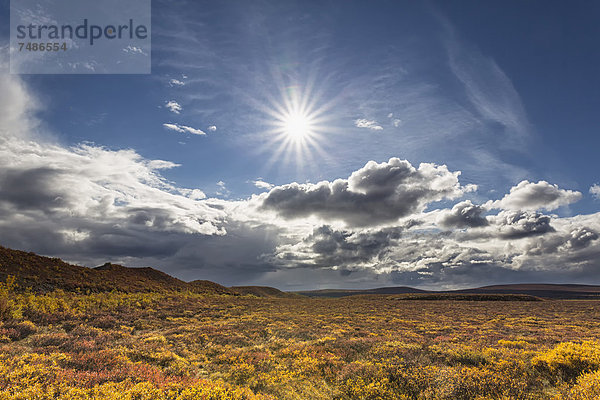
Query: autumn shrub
18	330
9	309
568	360
104	322
586	388
4	307
471	383
47	340
97	361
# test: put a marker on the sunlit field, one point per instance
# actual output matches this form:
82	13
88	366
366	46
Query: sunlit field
188	346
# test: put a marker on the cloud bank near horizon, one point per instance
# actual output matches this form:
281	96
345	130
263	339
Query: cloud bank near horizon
386	223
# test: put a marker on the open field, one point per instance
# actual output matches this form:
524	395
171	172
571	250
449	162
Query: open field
161	345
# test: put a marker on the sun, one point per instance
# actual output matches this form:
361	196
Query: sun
297	126
297	122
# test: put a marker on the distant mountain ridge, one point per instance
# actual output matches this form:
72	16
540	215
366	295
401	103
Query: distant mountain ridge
544	290
540	290
353	292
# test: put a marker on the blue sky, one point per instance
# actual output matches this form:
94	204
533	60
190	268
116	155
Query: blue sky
503	92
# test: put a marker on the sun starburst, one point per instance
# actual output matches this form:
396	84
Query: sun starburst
297	122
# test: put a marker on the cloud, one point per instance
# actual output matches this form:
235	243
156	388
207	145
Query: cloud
518	246
536	196
89	204
369	124
259	183
595	191
395	121
464	215
327	247
194	194
173	106
183	129
222	189
489	90
91	182
17	108
520	224
135	50
176	82
375	194
581	238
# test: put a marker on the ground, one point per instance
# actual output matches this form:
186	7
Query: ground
183	345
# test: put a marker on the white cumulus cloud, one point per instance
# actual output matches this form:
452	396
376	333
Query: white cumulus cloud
536	196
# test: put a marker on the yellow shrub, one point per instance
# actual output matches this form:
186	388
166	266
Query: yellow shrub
587	387
569	360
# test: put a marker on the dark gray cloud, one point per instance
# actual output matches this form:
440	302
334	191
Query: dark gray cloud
344	248
581	238
464	215
521	224
562	242
34	188
373	195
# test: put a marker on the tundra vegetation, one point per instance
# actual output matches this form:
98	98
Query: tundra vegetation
186	345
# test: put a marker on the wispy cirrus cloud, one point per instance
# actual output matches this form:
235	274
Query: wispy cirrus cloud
489	90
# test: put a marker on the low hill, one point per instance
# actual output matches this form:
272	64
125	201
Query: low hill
135	279
201	286
469	297
546	290
262	291
43	274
